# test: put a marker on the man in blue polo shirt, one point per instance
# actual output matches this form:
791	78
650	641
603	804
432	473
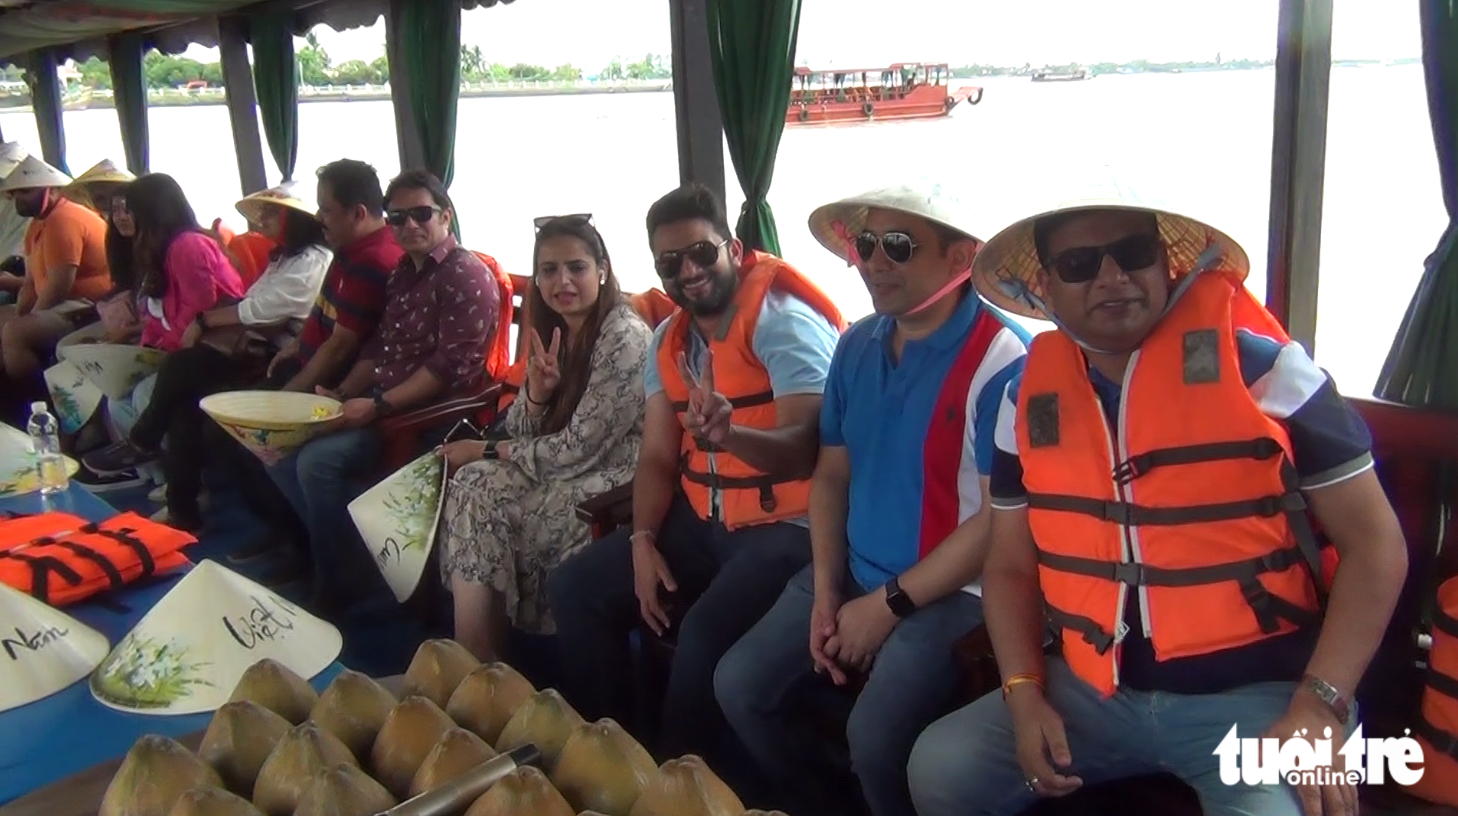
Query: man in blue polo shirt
897	510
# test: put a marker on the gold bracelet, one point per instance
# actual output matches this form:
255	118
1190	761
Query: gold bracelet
1017	679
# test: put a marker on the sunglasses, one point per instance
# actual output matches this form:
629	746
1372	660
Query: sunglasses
704	253
543	220
1082	264
420	215
898	246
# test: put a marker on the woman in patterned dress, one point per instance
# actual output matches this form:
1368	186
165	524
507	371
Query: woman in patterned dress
575	430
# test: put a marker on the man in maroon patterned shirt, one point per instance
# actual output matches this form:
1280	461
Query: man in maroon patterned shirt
432	340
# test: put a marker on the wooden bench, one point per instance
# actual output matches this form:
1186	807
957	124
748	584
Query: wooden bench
1416	450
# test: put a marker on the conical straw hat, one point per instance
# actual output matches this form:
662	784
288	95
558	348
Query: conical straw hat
90	333
11	155
32	173
115	368
284	195
42	649
187	655
271	424
74	397
104	172
835	225
1005	271
18	473
397	519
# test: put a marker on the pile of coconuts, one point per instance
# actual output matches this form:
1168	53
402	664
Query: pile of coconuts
279	748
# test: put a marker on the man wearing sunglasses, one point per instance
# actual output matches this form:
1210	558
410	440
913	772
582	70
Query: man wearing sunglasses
439	320
1189	500
897	514
719	499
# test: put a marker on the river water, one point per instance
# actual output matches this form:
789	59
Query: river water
1198	142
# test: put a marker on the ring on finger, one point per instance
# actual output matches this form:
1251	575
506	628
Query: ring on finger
1033	784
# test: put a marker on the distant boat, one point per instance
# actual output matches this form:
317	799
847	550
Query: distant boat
1055	76
900	91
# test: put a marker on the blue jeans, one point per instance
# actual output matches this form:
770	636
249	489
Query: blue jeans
320	481
913	680
124	413
965	764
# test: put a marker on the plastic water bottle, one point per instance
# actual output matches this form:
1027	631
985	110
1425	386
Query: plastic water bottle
45	439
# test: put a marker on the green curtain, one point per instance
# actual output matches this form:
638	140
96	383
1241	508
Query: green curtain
276	81
129	90
1420	367
430	45
45	96
752	45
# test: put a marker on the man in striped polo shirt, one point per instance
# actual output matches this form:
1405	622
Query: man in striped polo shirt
897	510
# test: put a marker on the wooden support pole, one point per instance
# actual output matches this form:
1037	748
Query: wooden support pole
1298	165
242	103
695	101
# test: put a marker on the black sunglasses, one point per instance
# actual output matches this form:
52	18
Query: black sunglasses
1082	264
543	220
898	246
704	253
420	215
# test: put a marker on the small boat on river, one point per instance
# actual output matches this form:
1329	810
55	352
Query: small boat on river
901	91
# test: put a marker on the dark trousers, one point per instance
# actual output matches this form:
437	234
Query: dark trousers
726	582
186	376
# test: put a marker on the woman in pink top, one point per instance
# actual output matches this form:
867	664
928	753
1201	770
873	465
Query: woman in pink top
185	271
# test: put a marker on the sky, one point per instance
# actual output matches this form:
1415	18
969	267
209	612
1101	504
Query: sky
866	33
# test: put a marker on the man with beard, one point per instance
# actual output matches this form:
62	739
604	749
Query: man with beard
722	487
65	266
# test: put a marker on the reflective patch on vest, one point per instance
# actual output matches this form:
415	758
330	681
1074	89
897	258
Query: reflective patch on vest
1043	420
1202	357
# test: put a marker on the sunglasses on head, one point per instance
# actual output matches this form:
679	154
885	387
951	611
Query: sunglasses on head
897	245
704	253
420	215
543	220
1082	264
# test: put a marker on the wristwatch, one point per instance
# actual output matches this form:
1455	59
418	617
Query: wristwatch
382	408
1327	693
896	598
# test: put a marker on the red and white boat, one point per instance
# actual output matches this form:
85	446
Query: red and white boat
905	90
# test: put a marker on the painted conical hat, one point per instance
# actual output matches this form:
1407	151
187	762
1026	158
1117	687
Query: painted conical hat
1005	270
271	424
397	519
32	173
104	172
42	650
284	195
836	224
187	655
11	155
90	333
18	474
115	368
74	397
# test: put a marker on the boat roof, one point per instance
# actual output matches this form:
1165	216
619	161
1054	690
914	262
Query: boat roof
895	66
78	28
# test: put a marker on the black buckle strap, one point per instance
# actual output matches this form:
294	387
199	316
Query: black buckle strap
1445	623
1140	464
1093	634
113	575
746	401
764	484
124	536
1441	683
1135	574
1128	514
1439	738
41	568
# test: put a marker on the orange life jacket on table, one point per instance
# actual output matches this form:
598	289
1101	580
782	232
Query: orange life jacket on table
1192	502
64	559
747	496
1437	725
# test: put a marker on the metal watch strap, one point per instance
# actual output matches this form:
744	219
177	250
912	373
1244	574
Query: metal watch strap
1328	694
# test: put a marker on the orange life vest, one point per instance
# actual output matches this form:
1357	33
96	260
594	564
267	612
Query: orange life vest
1192	502
747	496
1437	726
498	357
64	559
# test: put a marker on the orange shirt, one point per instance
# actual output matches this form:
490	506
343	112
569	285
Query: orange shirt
70	235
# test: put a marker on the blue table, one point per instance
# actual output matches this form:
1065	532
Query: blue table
70	731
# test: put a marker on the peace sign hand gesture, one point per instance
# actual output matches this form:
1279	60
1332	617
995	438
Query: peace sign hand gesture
708	411
544	373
